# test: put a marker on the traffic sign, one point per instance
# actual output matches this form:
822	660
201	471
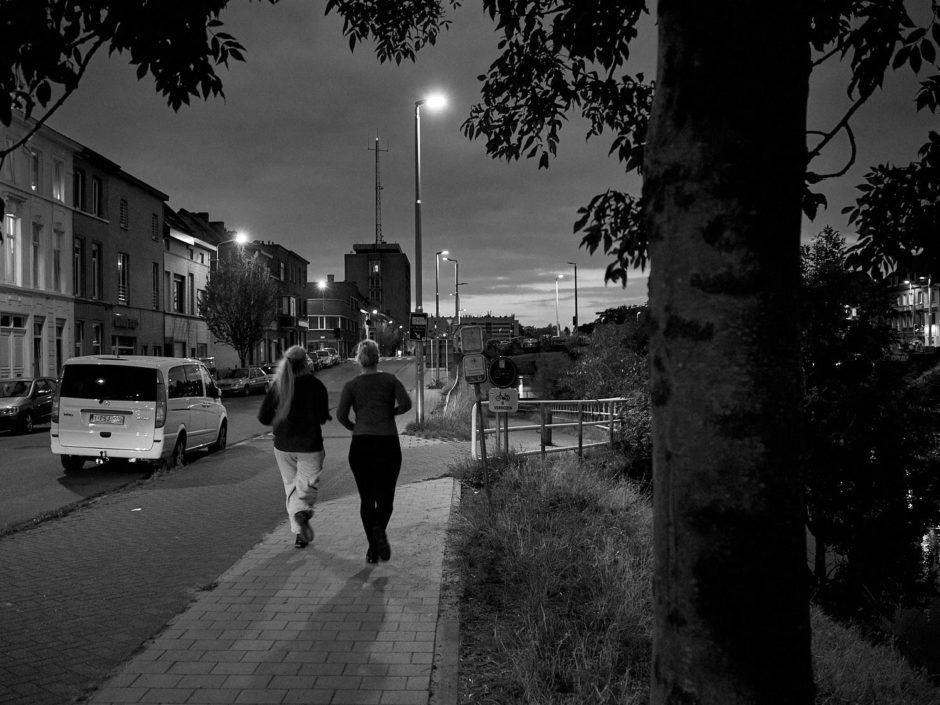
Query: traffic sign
505	401
418	326
474	368
503	372
471	339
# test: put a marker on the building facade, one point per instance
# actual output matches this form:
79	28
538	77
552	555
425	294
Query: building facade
187	258
494	327
117	260
36	312
290	326
382	273
915	302
337	313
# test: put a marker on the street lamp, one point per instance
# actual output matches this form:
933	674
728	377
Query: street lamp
456	289
434	102
239	239
557	322
437	277
574	264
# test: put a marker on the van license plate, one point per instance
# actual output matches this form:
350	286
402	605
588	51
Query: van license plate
116	419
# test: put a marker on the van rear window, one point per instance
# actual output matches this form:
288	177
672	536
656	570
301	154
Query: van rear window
115	382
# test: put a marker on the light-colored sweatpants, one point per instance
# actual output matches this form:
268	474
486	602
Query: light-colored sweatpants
301	475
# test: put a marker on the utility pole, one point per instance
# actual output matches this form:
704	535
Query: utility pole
378	193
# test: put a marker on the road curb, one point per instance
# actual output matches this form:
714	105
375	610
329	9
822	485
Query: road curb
445	671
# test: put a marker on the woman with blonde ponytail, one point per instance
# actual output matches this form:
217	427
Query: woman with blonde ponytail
296	405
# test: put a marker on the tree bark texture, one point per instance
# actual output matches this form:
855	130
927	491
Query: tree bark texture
723	179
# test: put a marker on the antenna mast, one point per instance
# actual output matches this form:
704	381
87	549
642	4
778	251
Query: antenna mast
378	193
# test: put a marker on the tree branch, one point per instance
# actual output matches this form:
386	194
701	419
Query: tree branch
39	122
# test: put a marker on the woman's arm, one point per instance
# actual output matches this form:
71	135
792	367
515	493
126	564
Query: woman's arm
342	411
322	401
268	407
402	400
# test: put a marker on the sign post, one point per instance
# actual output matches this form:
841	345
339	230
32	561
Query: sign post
504	399
418	332
474	372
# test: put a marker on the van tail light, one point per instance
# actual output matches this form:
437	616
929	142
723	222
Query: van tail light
160	418
55	408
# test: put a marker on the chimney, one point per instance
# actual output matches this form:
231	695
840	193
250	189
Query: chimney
329	278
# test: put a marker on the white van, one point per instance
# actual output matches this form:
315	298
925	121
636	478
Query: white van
137	408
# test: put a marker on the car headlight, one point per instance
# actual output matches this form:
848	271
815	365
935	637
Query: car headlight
8	411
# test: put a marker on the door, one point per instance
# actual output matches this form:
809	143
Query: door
202	422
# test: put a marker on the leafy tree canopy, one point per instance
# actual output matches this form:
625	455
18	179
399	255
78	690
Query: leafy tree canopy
240	302
180	44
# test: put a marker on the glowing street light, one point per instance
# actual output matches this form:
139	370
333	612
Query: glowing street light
435	101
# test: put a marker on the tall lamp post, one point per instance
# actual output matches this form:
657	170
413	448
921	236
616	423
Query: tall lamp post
557	322
456	288
437	308
575	321
434	102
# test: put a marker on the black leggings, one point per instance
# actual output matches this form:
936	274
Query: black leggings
375	463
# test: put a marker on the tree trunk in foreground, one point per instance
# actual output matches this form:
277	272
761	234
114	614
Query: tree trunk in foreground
723	180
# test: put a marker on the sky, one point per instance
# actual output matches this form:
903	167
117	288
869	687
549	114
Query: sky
285	157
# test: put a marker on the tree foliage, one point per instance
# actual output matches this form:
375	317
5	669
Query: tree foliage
615	365
180	44
871	461
898	216
240	302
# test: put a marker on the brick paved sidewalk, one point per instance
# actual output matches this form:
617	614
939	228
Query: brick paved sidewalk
317	625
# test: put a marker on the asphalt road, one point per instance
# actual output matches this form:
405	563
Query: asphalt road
33	484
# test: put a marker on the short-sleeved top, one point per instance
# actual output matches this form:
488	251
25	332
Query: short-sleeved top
376	398
300	431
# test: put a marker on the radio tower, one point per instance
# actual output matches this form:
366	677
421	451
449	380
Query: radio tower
378	193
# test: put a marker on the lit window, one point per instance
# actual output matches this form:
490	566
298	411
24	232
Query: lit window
35	175
58	180
12	250
123	265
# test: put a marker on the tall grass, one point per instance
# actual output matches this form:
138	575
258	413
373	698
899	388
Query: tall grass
452	422
556	605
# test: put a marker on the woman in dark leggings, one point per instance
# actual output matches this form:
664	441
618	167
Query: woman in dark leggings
374	454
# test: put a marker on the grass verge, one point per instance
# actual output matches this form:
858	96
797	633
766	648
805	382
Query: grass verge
555	595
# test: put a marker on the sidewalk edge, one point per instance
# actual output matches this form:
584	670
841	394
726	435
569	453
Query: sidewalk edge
444	687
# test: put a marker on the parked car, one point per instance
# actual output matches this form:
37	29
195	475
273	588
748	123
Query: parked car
135	407
269	369
530	344
313	361
244	381
558	342
26	402
334	356
326	360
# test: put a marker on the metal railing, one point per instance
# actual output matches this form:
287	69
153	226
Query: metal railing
581	423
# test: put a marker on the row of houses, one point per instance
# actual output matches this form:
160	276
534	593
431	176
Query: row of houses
94	260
